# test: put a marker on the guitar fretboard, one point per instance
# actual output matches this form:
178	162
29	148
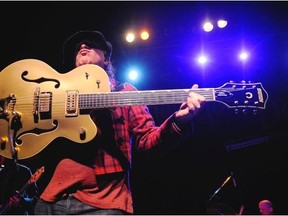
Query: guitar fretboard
155	97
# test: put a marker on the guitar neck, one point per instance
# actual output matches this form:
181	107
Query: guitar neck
4	209
154	97
7	206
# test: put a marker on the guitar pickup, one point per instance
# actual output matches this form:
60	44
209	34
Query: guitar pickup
45	105
71	103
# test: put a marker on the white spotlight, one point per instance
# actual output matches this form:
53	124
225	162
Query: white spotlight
222	23
202	59
208	26
130	37
243	55
133	75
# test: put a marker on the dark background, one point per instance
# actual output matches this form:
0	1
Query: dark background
252	147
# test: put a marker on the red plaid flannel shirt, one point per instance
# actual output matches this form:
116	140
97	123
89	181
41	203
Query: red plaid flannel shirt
126	122
136	121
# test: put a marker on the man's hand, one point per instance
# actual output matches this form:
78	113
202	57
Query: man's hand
193	104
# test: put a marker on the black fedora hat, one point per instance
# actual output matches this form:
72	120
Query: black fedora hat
70	44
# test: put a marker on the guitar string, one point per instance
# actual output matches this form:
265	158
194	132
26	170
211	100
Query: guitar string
154	97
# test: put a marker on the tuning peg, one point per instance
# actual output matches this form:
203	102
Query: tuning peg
236	111
243	81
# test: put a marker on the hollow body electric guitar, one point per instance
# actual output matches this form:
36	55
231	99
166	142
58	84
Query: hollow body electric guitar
38	104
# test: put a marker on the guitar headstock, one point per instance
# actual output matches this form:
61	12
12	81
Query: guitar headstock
242	95
36	175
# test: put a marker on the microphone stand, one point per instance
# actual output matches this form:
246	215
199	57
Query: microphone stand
231	176
223	184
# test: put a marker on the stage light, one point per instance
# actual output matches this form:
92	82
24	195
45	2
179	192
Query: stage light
130	37
208	26
222	23
202	59
133	75
243	55
144	35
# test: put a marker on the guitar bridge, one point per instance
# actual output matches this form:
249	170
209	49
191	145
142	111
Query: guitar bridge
42	105
71	104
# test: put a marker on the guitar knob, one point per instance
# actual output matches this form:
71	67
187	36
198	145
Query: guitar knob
3	142
82	133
